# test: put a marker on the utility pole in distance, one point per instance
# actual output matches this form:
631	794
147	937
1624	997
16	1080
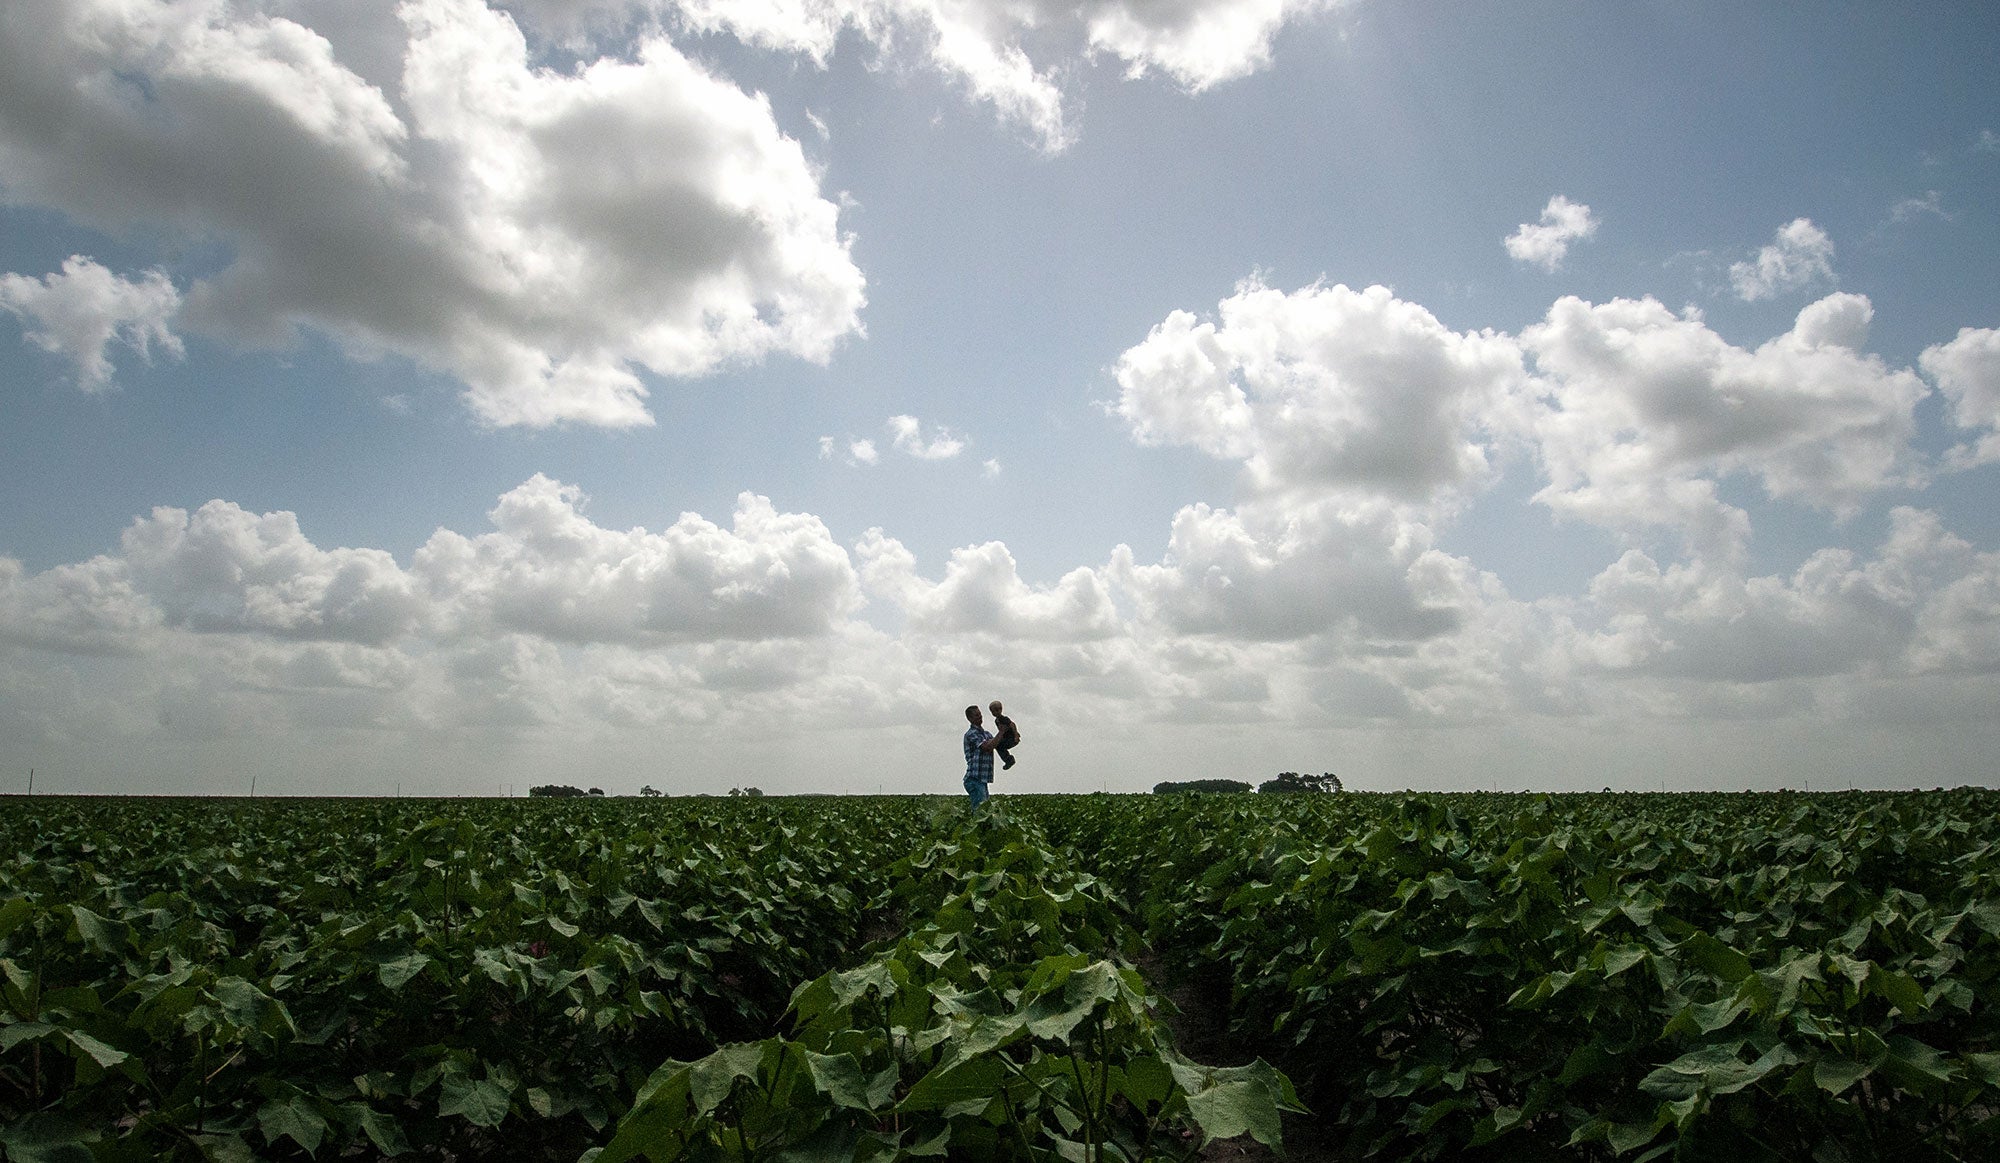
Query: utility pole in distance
31	781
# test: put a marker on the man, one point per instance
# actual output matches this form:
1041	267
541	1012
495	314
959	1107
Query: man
978	757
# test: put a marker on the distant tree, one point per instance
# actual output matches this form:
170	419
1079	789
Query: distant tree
1292	781
556	791
649	791
745	791
1219	786
597	791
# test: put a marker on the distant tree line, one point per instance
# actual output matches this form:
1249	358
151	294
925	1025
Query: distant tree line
562	791
1286	783
1180	787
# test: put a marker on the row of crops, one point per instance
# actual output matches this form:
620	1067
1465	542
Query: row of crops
1486	977
1701	977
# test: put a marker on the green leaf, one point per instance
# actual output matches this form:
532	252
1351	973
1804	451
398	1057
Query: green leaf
381	1129
47	1138
1834	1075
711	1079
394	975
106	1056
482	1103
1901	991
1717	958
1146	1081
14	913
224	1149
1229	1109
294	1118
19	1032
1627	1137
1915	1066
1228	1101
250	1008
840	1078
101	934
951	1084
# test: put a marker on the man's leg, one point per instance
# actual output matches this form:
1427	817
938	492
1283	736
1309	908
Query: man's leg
975	790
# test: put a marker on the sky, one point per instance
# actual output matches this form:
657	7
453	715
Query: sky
437	397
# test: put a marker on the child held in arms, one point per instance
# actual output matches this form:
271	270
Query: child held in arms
1006	736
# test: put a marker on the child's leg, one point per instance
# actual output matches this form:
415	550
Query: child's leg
1006	755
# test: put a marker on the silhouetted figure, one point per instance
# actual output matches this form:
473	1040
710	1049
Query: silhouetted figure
1006	736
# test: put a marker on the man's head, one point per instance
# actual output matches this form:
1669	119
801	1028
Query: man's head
994	706
973	716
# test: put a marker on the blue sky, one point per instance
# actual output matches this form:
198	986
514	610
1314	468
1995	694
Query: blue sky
701	392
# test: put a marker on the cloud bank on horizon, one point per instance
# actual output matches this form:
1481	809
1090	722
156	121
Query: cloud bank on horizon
564	205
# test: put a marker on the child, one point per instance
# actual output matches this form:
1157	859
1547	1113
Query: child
1006	736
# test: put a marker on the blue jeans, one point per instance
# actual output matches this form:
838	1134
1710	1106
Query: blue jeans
976	790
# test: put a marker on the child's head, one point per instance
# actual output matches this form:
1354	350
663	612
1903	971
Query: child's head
994	706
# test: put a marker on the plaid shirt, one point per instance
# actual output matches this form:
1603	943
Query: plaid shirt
978	764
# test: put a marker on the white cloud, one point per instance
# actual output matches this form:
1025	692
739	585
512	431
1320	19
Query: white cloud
982	593
1932	203
1967	371
547	570
1798	257
991	468
1323	389
907	435
1644	409
1925	603
1284	572
1546	244
542	236
80	311
222	569
1987	142
1199	43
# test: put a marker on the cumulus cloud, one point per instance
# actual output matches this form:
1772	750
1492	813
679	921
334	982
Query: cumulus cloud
1798	257
1967	371
982	593
542	236
1644	409
1546	244
1325	388
80	311
222	568
907	434
547	570
1014	54
1199	43
1924	603
1285	572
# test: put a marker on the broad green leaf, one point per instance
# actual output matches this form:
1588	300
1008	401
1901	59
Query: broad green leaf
99	933
1834	1075
47	1138
14	913
106	1056
711	1079
1229	1109
292	1117
840	1078
978	1078
1717	958
250	1008
483	1103
381	1129
394	975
